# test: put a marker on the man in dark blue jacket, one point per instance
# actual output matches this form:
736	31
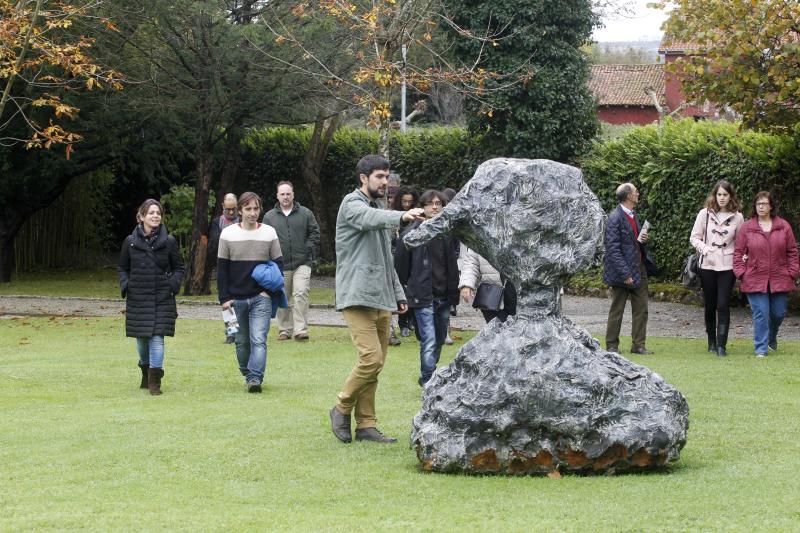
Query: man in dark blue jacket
625	270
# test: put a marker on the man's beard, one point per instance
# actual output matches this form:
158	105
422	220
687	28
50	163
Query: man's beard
376	193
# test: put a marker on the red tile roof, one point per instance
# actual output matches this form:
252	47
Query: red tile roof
670	46
626	84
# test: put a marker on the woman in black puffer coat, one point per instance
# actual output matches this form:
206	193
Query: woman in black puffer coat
150	274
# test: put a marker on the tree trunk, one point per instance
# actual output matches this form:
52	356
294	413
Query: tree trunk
311	167
197	280
230	169
8	231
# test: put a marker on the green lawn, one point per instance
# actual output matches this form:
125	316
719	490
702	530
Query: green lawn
102	283
81	447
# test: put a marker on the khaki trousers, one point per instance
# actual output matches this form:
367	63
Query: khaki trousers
294	319
638	297
369	331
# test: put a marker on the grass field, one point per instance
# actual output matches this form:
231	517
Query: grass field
103	283
84	448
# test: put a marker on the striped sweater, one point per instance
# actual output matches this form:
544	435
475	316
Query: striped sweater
240	250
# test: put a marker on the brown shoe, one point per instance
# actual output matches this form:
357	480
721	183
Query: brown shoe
372	434
283	336
301	337
641	350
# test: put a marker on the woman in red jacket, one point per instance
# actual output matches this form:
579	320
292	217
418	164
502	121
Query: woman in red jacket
765	260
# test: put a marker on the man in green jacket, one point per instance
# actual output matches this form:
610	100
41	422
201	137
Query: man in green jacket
298	233
367	292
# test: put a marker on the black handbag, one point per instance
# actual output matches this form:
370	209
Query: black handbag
488	296
690	277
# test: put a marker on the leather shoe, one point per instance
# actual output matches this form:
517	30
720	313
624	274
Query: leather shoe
301	337
283	336
340	424
642	351
254	387
373	435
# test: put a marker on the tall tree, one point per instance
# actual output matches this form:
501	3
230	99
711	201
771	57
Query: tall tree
748	57
389	43
202	58
552	114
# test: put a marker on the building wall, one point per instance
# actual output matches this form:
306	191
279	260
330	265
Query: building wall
627	114
674	94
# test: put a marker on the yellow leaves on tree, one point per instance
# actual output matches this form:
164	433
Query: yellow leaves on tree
33	39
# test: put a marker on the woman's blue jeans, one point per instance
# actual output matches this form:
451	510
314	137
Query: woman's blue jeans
253	315
432	324
768	311
151	351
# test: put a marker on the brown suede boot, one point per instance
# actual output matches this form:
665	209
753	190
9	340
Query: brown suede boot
154	376
145	368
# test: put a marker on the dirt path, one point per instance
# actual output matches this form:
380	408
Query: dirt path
665	320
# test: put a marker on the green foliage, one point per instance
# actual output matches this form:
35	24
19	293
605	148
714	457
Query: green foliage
748	60
675	167
178	214
435	157
552	114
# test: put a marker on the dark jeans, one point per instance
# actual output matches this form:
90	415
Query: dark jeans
619	297
509	305
717	291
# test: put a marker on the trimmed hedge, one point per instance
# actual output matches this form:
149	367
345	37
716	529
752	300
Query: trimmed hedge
676	165
435	157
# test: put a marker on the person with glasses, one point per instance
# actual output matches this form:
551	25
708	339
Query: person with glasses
229	216
713	236
430	275
765	260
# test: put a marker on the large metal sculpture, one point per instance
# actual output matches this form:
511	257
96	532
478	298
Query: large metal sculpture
536	394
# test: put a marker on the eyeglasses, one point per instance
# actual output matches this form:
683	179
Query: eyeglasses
762	204
434	204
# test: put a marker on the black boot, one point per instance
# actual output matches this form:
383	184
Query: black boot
143	384
712	335
712	342
722	339
154	376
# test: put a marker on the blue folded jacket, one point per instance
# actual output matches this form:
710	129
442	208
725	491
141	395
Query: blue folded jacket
269	276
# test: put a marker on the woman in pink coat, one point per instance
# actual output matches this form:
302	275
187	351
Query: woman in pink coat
713	235
765	260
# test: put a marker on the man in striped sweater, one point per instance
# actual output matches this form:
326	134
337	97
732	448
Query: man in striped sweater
242	247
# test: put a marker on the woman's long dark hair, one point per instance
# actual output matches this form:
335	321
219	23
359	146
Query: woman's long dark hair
397	201
733	203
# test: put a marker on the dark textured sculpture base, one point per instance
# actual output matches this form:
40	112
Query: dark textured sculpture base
537	397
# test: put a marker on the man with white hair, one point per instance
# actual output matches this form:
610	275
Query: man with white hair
625	270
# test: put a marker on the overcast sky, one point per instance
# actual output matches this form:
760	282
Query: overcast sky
642	25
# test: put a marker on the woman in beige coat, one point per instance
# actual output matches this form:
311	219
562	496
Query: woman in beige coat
714	236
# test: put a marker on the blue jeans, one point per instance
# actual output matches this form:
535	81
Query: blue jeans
432	323
768	311
253	315
151	351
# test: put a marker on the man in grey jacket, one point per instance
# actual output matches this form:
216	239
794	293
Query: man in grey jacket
367	292
298	233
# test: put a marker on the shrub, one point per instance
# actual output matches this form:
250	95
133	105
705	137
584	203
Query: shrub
675	166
